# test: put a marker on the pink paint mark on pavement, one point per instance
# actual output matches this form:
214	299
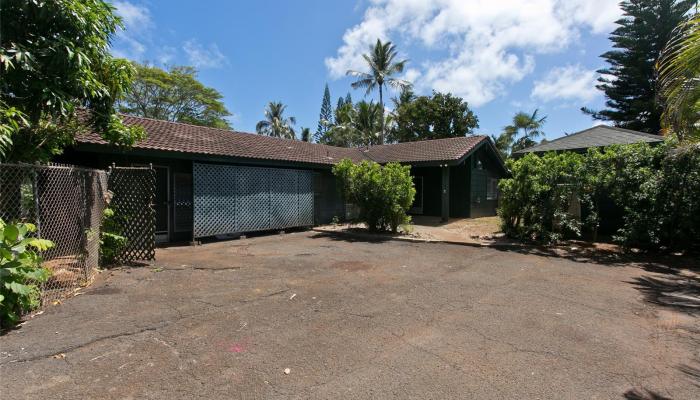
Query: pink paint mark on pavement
236	348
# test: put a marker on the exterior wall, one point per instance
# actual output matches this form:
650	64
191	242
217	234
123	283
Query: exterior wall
480	174
327	199
467	184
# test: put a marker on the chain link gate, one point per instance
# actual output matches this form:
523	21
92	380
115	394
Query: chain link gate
66	204
133	190
234	199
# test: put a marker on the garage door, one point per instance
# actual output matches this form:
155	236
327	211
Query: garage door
231	199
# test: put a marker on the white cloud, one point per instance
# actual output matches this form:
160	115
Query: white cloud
204	57
137	24
475	47
134	16
571	82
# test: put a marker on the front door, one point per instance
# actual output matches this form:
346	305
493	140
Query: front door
162	203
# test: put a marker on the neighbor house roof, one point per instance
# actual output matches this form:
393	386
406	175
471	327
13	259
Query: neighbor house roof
598	136
185	138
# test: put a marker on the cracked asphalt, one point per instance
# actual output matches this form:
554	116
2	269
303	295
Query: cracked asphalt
358	319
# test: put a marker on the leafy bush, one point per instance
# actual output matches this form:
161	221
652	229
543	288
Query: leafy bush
20	271
382	194
656	187
534	202
111	240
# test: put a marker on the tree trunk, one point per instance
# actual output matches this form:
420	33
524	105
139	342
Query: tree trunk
381	101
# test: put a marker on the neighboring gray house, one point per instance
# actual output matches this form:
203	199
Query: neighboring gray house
598	136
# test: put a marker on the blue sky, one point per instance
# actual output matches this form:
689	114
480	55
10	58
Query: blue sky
502	56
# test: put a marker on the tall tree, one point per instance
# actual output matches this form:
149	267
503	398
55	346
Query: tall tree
54	58
325	118
679	80
430	117
348	98
629	82
382	66
275	123
340	103
521	133
174	95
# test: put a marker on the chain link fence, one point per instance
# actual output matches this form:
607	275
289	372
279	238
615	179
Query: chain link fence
66	203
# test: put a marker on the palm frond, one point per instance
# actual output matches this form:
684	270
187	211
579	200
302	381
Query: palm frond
399	84
262	127
678	71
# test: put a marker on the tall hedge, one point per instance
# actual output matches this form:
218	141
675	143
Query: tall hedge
656	187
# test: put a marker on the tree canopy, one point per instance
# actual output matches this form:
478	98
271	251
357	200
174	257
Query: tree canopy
441	115
305	134
679	80
325	117
275	123
174	95
54	58
355	125
630	82
521	133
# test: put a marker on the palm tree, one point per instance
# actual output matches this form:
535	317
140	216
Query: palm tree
679	80
305	134
275	123
382	66
521	133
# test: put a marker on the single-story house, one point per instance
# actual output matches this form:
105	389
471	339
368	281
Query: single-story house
597	136
214	181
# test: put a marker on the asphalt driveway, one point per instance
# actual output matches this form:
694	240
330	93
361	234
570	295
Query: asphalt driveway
322	316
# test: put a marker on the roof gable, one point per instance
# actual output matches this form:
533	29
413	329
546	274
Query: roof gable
597	136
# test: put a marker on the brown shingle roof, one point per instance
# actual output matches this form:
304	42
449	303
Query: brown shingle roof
425	151
186	138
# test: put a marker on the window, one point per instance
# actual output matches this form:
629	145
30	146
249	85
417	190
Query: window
491	189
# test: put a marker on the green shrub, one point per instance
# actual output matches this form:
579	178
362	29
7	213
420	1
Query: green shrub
656	187
534	201
111	240
20	271
382	194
